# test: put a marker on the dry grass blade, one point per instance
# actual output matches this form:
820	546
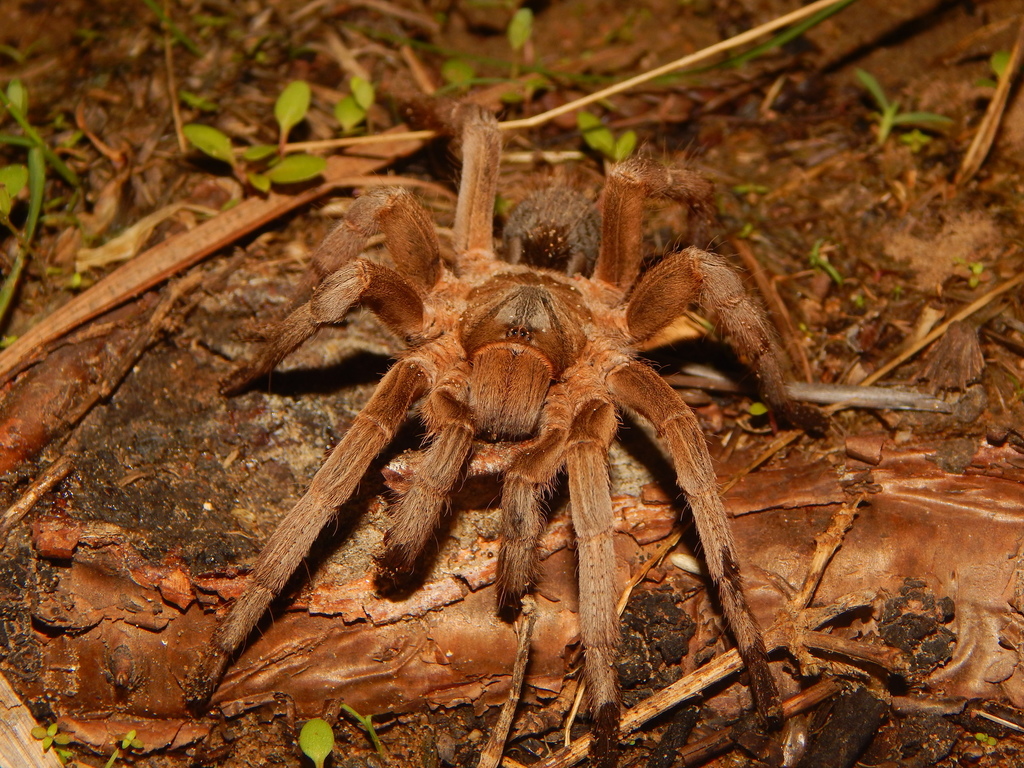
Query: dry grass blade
986	134
52	475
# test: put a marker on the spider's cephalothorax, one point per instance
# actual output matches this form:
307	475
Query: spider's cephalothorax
532	351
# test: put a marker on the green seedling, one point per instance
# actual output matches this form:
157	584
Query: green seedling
15	100
50	736
889	115
997	63
599	138
819	260
195	101
316	740
458	73
128	742
174	30
984	738
271	163
974	269
351	111
367	723
519	32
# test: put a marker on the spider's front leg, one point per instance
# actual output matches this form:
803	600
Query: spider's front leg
707	278
394	295
639	389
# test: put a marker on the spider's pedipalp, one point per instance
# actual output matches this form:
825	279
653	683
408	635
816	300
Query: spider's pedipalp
331	487
630	185
415	516
381	288
637	388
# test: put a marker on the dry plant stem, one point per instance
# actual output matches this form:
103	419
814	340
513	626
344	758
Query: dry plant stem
964	313
52	475
491	754
986	134
776	305
171	256
172	89
777	445
537	120
826	545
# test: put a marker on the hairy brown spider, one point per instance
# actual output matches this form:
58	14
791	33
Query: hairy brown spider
534	351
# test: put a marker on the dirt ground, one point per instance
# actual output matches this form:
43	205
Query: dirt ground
138	496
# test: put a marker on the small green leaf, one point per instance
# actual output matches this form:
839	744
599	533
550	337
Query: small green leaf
349	113
362	92
258	152
998	62
595	134
18	96
210	141
457	72
5	203
757	409
292	106
871	84
915	140
624	146
316	740
196	101
13	178
259	181
520	28
39	733
920	117
296	168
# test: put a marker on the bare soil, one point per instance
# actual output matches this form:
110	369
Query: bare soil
116	574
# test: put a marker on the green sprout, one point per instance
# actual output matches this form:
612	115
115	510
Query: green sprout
997	63
599	138
130	741
15	100
519	32
984	738
290	109
819	260
352	110
367	723
889	115
50	736
458	73
316	740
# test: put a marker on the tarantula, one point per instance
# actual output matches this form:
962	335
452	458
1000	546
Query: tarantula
530	351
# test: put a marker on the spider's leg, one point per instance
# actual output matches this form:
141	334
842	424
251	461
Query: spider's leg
331	487
743	319
637	388
382	289
629	186
528	477
415	516
481	154
408	232
586	460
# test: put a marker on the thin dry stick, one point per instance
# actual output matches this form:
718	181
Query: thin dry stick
53	474
964	313
825	546
778	307
986	134
491	754
172	88
691	60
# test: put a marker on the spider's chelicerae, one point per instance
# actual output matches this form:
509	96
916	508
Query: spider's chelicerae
538	351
